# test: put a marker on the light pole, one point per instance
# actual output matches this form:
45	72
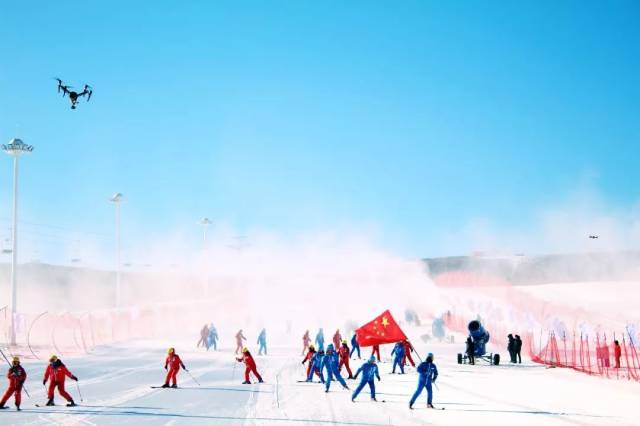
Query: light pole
15	148
205	222
116	199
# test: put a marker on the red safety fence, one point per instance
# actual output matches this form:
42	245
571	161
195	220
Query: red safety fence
599	356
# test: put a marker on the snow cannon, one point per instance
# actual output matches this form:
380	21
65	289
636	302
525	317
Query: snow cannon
480	338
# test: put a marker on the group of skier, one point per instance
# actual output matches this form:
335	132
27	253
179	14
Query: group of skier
327	365
208	337
55	373
261	342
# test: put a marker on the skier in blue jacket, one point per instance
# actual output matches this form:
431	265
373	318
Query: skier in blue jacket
316	366
330	363
369	372
262	341
398	351
320	340
213	337
428	374
354	345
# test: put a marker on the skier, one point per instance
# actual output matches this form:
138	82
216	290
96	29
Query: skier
398	351
308	358
17	377
617	352
369	372
337	339
56	373
172	364
511	347
428	375
315	362
213	337
305	342
239	338
471	350
262	341
343	352
355	346
320	340
517	347
250	366
375	350
204	334
408	348
330	363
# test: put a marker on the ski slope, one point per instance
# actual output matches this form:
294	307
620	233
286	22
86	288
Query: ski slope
115	382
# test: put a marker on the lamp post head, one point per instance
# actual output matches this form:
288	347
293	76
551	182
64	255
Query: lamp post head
16	148
116	198
205	221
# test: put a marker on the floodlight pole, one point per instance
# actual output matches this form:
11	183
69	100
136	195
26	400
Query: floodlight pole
116	199
15	148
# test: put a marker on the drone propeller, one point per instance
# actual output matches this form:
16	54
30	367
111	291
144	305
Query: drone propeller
88	90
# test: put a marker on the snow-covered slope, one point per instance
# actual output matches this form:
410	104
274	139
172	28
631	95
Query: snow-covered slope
115	383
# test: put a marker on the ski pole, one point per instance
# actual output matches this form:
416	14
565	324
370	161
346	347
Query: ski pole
10	365
194	379
79	393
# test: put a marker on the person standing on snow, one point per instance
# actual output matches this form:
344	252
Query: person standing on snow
375	350
320	340
408	348
250	366
354	345
213	337
56	373
617	352
308	358
305	342
343	353
262	341
337	339
511	347
17	377
428	374
517	347
239	338
369	372
330	363
204	334
172	364
471	351
398	351
315	362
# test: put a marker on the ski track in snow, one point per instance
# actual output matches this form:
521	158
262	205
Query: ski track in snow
116	384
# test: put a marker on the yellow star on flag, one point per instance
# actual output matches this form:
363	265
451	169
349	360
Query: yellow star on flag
385	321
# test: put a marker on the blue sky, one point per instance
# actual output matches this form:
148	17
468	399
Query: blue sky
410	118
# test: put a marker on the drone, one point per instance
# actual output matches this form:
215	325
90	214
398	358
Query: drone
74	96
593	237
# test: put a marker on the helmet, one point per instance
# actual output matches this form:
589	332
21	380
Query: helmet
344	342
330	346
311	346
245	350
372	359
16	359
53	358
430	355
170	350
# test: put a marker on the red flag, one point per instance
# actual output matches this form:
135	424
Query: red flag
383	329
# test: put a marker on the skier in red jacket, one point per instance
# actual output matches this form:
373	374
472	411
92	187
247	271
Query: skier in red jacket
375	350
239	338
307	358
343	353
250	366
305	342
617	352
337	339
16	376
56	373
173	364
408	348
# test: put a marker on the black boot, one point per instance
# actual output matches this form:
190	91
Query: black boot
71	404
175	386
166	385
50	403
17	408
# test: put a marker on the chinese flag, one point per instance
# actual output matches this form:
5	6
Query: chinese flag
383	329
